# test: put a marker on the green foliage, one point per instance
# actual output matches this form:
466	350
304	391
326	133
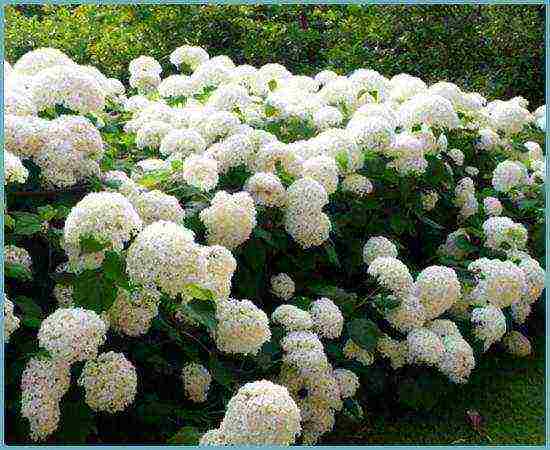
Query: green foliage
486	48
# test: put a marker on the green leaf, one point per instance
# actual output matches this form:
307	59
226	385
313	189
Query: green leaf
265	235
9	222
31	312
364	333
201	311
114	269
353	409
398	224
90	244
199	292
92	290
18	271
430	222
27	224
219	372
332	255
186	436
47	212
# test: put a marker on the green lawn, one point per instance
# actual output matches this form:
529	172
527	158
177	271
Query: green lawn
508	393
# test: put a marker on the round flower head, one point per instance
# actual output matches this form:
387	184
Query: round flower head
437	288
14	170
392	274
165	254
261	413
43	384
457	156
11	321
57	86
266	189
534	151
306	195
489	325
500	283
324	170
155	205
185	142
80	132
327	117
132	314
517	344
292	318
108	216
433	110
492	206
308	230
31	63
509	117
177	86
373	132
196	382
457	361
378	246
305	353
282	286
425	347
328	320
229	219
502	233
242	327
24	136
152	134
508	175
429	200
189	56
200	171
348	382
110	382
471	171
72	334
17	255
144	64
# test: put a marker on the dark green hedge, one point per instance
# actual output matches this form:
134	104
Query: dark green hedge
497	50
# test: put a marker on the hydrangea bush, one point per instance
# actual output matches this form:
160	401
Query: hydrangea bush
240	255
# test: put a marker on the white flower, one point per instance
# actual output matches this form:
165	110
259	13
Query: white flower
489	325
266	189
328	320
282	286
425	347
11	321
196	381
508	175
438	289
14	170
109	381
392	274
292	318
242	327
72	334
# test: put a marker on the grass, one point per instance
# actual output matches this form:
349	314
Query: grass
507	392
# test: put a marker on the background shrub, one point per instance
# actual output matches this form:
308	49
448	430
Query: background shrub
496	50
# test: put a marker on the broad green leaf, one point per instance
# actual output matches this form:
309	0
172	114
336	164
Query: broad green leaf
27	224
18	271
332	255
31	312
201	311
364	333
219	372
92	290
199	292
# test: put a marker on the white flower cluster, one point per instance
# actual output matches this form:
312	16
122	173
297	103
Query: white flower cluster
229	219
328	320
261	413
465	197
502	233
43	384
292	318
304	219
72	334
282	286
108	217
109	382
242	327
17	255
144	73
196	382
378	246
